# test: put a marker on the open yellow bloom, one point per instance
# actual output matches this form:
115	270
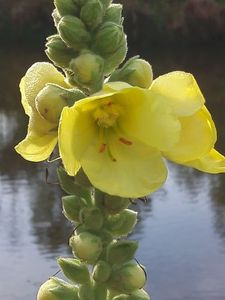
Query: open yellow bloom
42	134
195	147
119	135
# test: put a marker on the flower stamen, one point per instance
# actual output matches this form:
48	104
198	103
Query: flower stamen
125	141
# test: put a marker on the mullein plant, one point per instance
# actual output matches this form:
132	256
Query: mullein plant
114	125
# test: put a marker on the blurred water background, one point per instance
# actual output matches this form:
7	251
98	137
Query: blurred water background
182	226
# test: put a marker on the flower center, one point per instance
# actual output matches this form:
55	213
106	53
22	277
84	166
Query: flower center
107	114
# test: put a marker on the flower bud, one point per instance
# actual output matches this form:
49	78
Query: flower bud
106	237
109	203
70	187
108	39
86	292
122	224
115	59
114	14
92	13
66	7
73	32
57	289
100	291
50	103
74	270
121	251
128	278
72	206
102	271
88	70
86	246
92	218
58	52
136	72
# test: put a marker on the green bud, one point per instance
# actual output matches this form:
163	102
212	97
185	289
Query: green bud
115	59
86	292
72	206
74	270
73	95
56	17
102	271
57	289
111	204
80	2
108	39
114	14
128	278
136	72
68	184
50	103
92	218
73	32
120	252
106	237
86	246
92	13
58	52
88	70
122	224
66	7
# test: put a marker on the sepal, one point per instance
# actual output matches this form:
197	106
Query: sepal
72	206
92	13
66	7
120	252
74	270
101	271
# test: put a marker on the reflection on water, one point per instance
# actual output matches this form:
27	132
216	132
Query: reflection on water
181	228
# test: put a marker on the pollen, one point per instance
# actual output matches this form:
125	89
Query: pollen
107	114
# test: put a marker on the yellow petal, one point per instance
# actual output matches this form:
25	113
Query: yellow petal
25	104
37	76
181	90
40	140
147	118
198	136
213	162
137	171
76	131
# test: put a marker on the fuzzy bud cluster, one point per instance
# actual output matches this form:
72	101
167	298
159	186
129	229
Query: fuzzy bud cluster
90	43
99	220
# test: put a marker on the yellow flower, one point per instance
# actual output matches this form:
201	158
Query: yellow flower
42	134
119	135
116	136
195	147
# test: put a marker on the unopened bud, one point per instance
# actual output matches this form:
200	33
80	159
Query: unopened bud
88	70
122	224
91	217
109	203
108	39
73	32
86	246
121	251
102	271
136	72
58	51
74	270
139	295
50	103
72	206
92	13
114	14
66	7
128	278
115	59
57	289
